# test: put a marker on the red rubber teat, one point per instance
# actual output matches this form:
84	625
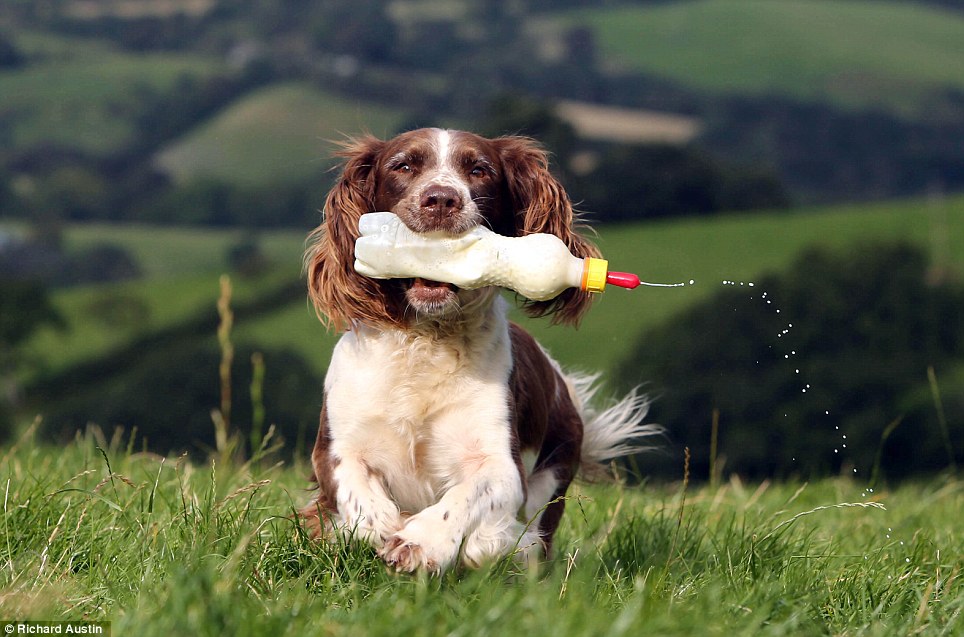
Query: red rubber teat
623	279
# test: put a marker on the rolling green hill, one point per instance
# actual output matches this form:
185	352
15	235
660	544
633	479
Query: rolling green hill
854	53
278	134
84	94
183	266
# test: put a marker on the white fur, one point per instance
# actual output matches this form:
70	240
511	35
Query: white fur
420	423
617	430
614	432
446	173
420	427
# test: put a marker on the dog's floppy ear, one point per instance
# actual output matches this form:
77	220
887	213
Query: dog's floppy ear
542	205
340	295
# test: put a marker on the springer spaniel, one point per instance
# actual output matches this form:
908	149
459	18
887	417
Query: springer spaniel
446	432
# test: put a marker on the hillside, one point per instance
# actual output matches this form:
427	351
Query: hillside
275	135
84	94
854	53
219	113
183	267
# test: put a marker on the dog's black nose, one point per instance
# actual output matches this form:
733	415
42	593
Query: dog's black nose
440	201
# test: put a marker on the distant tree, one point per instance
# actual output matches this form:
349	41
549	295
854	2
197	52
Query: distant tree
43	259
101	263
10	56
361	28
25	308
845	355
826	154
247	258
168	393
634	182
514	114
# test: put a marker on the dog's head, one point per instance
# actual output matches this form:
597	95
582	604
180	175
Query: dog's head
435	180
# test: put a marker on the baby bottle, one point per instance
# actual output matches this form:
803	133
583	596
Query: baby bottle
537	266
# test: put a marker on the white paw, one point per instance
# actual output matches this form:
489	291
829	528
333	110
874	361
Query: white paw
372	523
491	541
420	546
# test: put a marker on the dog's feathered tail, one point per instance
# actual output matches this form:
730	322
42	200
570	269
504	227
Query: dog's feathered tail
613	431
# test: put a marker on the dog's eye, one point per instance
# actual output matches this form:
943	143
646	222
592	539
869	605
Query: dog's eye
479	171
402	167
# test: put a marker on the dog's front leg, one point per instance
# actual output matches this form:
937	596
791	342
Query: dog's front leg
485	493
364	505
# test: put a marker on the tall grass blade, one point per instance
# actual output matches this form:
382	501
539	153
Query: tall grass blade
227	354
941	416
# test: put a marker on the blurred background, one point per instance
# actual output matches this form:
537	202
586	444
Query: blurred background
801	160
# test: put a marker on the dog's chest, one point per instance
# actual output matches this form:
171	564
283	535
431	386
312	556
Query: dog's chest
410	407
398	388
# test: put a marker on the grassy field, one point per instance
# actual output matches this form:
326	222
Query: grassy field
854	53
83	94
160	546
278	134
182	268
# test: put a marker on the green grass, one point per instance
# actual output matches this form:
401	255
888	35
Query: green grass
181	268
82	94
92	332
281	133
856	53
170	251
160	546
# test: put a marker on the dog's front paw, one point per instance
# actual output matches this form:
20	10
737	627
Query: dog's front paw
408	557
492	541
415	548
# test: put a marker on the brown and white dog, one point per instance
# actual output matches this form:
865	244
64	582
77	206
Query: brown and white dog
446	432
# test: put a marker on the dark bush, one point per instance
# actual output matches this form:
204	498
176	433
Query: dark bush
43	257
247	258
25	307
10	56
634	182
101	263
169	392
849	348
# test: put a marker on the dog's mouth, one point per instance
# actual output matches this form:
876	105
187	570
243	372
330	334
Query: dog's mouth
430	297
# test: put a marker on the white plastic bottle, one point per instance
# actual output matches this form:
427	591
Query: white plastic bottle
537	266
